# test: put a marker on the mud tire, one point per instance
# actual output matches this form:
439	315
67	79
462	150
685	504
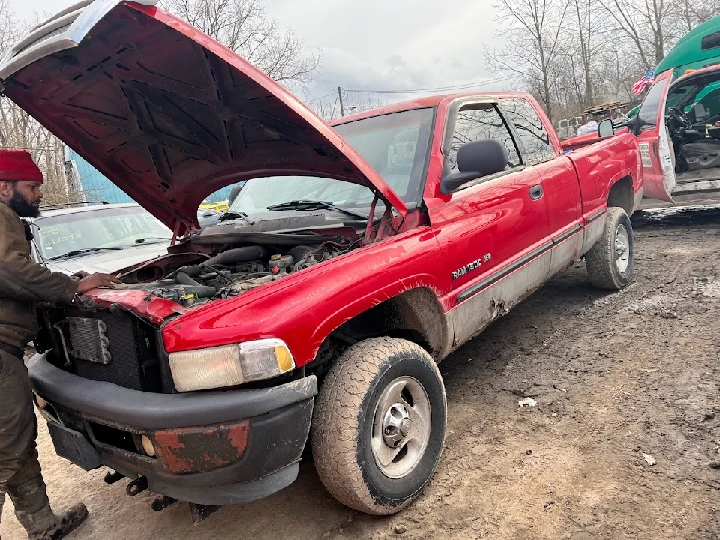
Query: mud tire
601	260
344	418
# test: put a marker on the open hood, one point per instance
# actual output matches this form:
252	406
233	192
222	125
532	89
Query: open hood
167	113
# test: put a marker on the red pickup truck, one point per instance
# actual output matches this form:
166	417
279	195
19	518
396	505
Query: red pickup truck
355	258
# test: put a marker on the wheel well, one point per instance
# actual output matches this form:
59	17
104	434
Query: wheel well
415	315
622	196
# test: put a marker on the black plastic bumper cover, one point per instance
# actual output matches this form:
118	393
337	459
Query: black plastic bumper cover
279	425
147	410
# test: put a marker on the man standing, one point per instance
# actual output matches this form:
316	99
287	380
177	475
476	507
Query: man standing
23	283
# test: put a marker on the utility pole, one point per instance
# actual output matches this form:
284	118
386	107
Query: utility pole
342	106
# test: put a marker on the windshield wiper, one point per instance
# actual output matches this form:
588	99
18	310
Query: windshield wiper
151	240
315	205
76	252
234	215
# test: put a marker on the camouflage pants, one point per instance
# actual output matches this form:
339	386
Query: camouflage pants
20	474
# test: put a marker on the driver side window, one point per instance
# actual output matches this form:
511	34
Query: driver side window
648	113
476	122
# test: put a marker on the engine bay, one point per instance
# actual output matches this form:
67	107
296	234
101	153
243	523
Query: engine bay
231	271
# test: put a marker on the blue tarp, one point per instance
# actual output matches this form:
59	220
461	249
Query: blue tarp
99	189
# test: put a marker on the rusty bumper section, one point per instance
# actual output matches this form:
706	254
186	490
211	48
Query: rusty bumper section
200	449
209	448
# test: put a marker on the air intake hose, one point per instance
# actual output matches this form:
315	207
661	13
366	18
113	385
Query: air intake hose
236	256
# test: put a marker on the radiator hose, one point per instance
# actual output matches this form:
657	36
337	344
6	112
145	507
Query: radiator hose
237	255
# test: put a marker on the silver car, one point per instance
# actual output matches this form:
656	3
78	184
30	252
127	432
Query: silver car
98	238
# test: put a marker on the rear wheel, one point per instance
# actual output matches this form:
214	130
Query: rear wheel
379	425
611	261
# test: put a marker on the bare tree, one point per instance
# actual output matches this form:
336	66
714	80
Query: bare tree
19	130
689	14
535	35
704	11
244	27
586	21
650	25
325	109
572	54
355	101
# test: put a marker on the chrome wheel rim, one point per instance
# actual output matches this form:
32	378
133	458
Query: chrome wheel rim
401	427
622	248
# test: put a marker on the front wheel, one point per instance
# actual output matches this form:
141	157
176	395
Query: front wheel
611	261
379	425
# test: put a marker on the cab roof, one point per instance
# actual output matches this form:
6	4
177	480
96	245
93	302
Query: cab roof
697	49
426	102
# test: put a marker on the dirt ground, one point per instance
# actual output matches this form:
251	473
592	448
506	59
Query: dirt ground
618	378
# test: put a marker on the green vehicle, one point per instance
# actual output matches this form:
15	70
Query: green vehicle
678	123
694	51
697	49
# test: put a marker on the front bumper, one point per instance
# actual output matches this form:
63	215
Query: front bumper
226	447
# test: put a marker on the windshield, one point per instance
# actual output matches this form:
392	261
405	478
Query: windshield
97	228
709	98
678	95
395	145
260	193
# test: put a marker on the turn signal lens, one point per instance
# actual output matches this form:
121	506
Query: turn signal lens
230	365
284	359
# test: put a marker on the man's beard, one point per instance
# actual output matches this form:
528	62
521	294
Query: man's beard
21	207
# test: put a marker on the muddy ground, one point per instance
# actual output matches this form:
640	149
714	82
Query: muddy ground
616	377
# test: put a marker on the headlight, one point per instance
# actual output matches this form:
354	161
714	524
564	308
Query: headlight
230	365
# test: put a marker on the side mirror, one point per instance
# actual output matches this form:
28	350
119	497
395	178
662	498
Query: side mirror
475	160
606	129
630	124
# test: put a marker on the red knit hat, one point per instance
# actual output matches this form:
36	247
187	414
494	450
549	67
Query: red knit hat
18	165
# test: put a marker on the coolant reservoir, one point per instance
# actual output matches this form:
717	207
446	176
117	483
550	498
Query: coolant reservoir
281	262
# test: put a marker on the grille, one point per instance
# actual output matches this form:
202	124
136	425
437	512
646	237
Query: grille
103	346
124	368
88	339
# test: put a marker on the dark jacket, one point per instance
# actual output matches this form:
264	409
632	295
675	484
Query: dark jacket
23	283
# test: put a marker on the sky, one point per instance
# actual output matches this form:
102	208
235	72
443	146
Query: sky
377	44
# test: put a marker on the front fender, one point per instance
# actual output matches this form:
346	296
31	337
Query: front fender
304	308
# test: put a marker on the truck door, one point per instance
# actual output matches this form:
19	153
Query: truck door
493	231
656	151
558	179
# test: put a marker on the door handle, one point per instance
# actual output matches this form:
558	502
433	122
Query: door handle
536	192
